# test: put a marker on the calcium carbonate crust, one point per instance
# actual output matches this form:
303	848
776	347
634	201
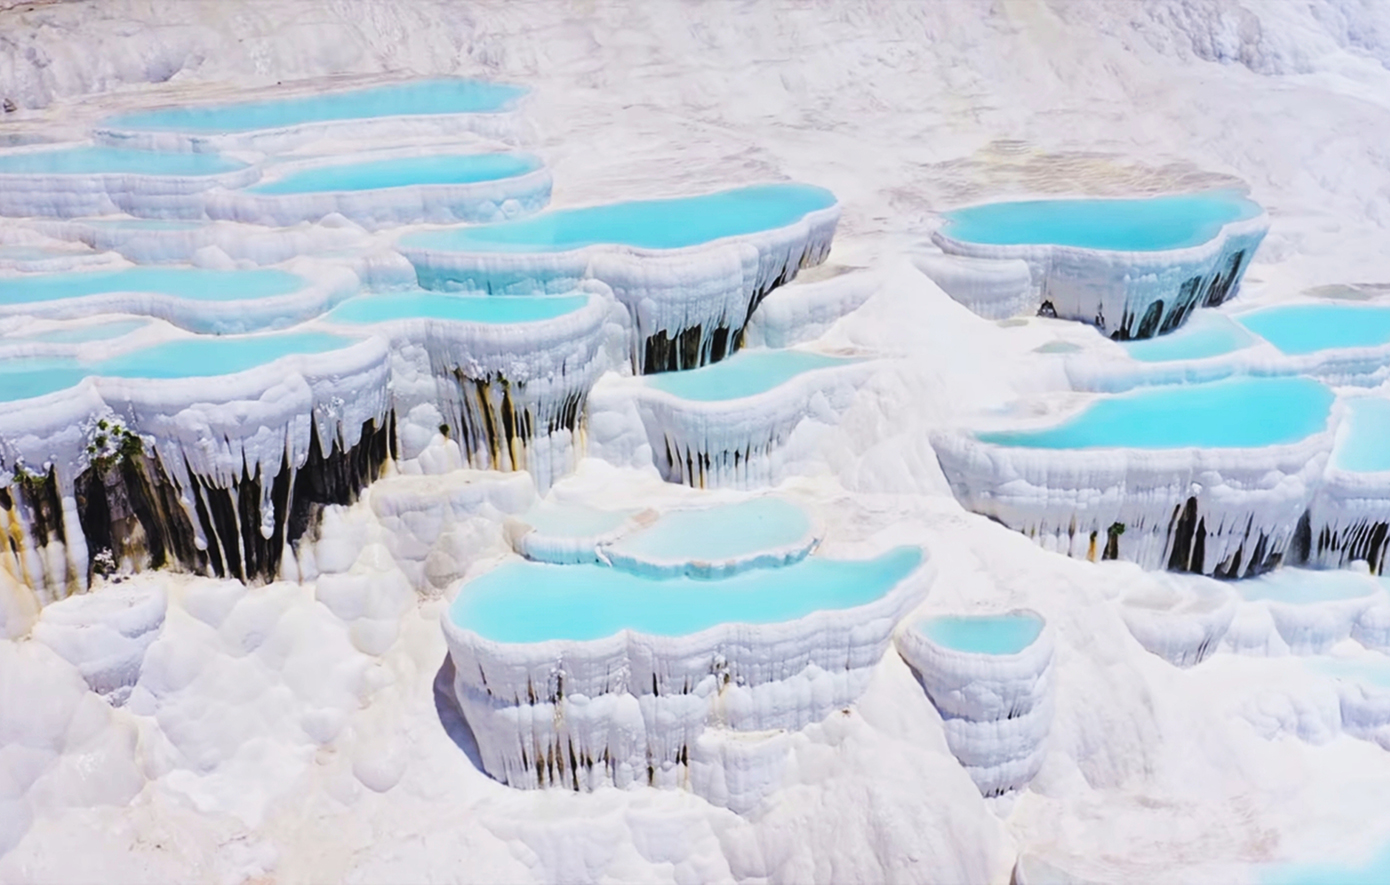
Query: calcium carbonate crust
1130	294
628	709
989	287
689	306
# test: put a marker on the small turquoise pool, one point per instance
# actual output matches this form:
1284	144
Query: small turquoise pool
1006	634
1205	334
210	355
1138	225
194	283
1232	413
1305	586
1297	329
747	373
84	333
1375	871
389	306
113	161
1364	444
716	534
422	97
534	602
401	172
574	520
647	224
36	376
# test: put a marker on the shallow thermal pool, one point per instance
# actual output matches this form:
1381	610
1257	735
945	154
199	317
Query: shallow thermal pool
81	334
420	304
1375	871
1232	413
1297	329
1004	634
746	373
90	160
534	602
216	355
27	377
645	224
424	97
1205	334
401	172
194	283
1363	443
1137	225
1305	586
715	534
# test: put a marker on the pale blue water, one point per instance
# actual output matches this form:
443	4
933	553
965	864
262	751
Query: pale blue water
86	333
401	172
746	373
418	304
97	160
645	224
1307	328
1205	334
140	224
210	355
1305	586
1006	634
421	97
35	376
574	520
1376	871
1364	445
1140	225
534	601
713	534
1232	413
195	283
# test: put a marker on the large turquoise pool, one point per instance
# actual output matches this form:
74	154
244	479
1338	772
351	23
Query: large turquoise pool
116	161
1363	444
37	376
645	224
534	601
1307	328
747	373
423	97
209	355
417	304
1232	413
194	283
401	172
82	334
1206	334
1139	225
714	534
1005	634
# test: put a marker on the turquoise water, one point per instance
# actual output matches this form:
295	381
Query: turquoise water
1205	334
534	601
1364	445
721	533
1005	634
194	283
1376	871
97	160
449	96
401	172
1232	413
1307	328
574	520
216	355
1142	225
1305	586
645	224
86	333
35	376
746	373
460	308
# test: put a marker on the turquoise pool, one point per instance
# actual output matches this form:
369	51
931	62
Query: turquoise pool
747	373
715	534
534	602
36	376
1232	413
1005	634
423	97
84	333
197	284
401	172
1305	586
1205	334
210	355
1375	871
418	304
646	224
1137	225
1297	329
115	161
1364	445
